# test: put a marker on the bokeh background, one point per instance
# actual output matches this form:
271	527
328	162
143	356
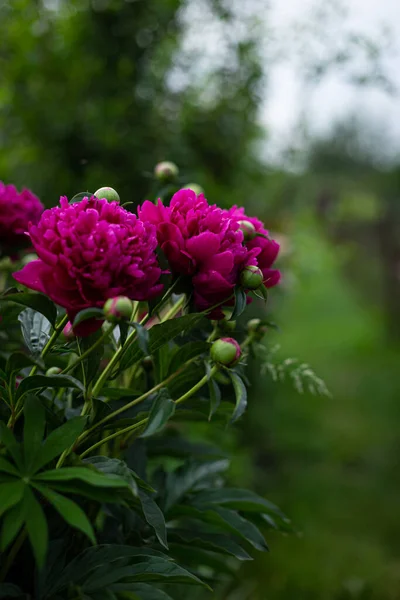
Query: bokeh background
291	108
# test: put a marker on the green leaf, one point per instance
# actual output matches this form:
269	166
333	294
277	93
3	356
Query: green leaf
10	494
69	510
237	499
38	302
12	523
18	360
83	474
9	590
240	303
210	541
142	337
243	528
7	467
88	313
154	517
95	493
185	478
145	591
91	364
80	196
104	557
113	466
187	352
14	448
35	382
59	440
240	394
150	569
158	336
36	526
162	410
215	397
35	330
33	429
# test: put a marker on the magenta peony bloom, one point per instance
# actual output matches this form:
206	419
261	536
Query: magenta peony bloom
266	249
91	251
201	241
17	211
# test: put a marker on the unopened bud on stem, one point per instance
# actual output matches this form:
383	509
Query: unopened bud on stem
251	277
118	308
108	193
166	171
226	351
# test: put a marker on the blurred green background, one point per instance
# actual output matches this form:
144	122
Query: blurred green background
94	93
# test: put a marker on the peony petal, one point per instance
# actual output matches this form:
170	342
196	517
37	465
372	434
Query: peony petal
32	275
203	246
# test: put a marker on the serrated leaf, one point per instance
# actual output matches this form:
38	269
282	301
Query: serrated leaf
37	302
34	423
83	474
12	523
69	510
36	526
14	448
18	360
35	330
158	336
187	352
154	517
88	313
59	440
162	410
35	382
240	395
10	494
240	303
215	397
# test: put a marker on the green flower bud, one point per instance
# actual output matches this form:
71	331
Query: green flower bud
248	229
256	326
225	324
108	193
225	351
166	171
195	187
53	371
118	308
251	277
147	363
28	258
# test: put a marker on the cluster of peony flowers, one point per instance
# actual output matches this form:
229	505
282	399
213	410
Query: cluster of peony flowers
17	210
207	244
94	250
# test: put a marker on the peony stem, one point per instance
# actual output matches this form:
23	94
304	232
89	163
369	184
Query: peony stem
198	385
82	357
113	436
174	309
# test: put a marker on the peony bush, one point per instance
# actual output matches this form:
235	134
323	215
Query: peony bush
122	362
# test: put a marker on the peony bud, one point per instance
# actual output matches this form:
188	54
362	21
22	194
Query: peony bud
68	332
107	193
147	363
53	371
225	324
118	308
251	277
166	171
256	326
248	230
195	187
226	351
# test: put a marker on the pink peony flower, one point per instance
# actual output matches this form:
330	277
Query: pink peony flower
203	242
91	251
266	249
17	211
